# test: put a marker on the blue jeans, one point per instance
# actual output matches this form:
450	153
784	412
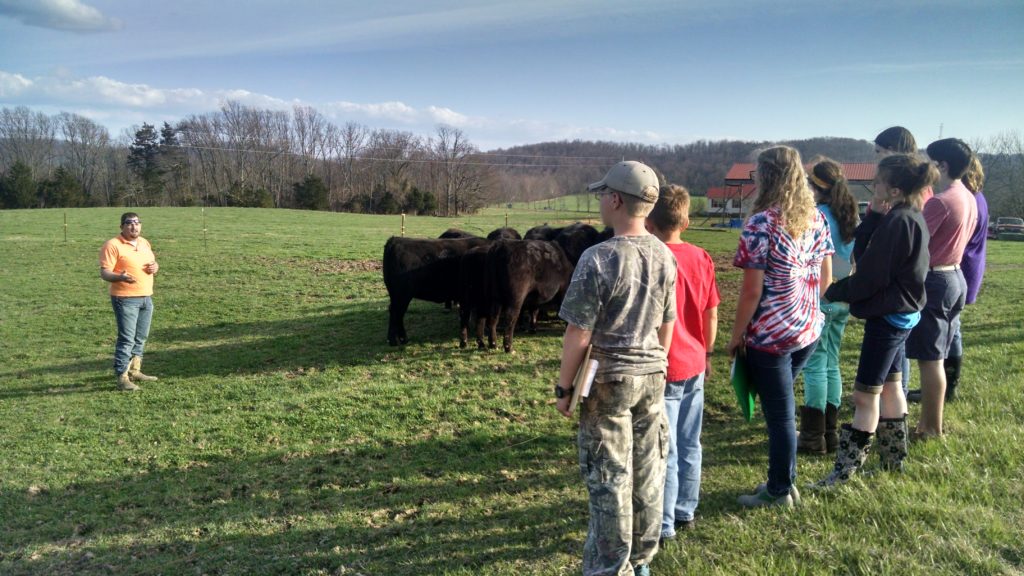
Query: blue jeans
773	375
823	384
684	406
133	314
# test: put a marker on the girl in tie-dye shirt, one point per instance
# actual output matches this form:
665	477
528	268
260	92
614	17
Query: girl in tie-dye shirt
785	251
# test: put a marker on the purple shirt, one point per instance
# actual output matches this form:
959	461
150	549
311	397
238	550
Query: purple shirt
952	216
973	262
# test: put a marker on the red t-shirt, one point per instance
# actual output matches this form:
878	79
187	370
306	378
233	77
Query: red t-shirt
696	292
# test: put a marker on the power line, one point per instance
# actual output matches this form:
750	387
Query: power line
408	160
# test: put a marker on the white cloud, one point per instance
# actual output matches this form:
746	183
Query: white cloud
118	104
11	85
70	15
394	111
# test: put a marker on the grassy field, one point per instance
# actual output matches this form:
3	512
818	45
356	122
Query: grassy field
286	437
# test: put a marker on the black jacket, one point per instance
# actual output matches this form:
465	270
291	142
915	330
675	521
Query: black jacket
890	274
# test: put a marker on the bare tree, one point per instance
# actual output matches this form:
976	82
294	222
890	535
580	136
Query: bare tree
353	142
391	155
464	181
1002	156
85	145
29	137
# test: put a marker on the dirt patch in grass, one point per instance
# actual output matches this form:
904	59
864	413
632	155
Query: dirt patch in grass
328	266
334	266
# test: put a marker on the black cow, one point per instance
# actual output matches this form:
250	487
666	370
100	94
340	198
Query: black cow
455	233
421	268
505	233
475	299
542	232
528	274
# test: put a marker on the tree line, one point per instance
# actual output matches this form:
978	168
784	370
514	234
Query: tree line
246	156
238	156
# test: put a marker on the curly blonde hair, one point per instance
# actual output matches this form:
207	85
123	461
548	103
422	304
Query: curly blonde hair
782	183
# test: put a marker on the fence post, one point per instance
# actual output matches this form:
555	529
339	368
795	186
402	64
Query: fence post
65	226
204	227
403	224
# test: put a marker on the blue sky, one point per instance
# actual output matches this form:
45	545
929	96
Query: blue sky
518	72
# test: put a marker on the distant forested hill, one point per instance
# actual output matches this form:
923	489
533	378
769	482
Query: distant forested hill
539	171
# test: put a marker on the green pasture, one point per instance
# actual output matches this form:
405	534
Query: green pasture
286	437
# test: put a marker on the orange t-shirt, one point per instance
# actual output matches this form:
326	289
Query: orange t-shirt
118	255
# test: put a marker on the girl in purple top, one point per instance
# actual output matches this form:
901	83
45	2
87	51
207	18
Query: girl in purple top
784	250
973	266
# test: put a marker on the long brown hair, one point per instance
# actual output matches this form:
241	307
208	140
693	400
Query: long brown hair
782	183
828	181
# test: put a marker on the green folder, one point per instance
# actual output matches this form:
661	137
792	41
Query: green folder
744	388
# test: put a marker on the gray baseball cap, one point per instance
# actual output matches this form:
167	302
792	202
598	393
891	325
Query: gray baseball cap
631	177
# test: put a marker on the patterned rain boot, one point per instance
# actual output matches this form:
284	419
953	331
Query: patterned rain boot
811	439
892	443
831	433
952	367
851	453
135	371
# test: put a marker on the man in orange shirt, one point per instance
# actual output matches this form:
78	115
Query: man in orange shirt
128	263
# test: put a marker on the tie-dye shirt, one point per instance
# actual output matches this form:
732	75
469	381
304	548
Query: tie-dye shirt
787	318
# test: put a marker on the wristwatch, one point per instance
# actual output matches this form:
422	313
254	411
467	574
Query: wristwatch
562	392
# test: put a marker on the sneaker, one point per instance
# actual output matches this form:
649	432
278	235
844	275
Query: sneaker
762	498
793	492
642	570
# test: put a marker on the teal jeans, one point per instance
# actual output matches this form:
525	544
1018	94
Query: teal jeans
822	381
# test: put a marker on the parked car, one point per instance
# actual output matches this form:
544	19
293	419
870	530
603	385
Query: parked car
1005	225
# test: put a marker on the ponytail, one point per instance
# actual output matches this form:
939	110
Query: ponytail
909	174
828	181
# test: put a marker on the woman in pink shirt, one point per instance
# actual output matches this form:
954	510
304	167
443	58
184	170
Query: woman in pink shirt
952	216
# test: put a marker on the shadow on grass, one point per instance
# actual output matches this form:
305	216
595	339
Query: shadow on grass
346	334
427	507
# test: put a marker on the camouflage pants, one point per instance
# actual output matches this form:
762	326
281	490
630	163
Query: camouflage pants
623	442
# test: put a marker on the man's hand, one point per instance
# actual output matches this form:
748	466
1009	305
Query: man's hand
151	268
708	370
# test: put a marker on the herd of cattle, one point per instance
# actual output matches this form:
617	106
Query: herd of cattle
494	278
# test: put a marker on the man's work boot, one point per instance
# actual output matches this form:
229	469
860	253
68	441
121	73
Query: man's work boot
135	371
125	383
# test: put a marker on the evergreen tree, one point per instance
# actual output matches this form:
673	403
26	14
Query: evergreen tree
62	190
17	188
311	194
144	162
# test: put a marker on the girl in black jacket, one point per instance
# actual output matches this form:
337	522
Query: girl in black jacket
887	290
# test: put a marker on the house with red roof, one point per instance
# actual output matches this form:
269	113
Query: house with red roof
736	198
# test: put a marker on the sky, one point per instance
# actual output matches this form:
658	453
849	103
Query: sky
528	71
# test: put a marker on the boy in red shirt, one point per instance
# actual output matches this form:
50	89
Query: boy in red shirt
688	358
